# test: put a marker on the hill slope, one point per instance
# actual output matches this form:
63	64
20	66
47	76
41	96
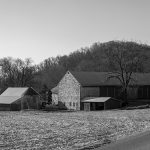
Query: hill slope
86	59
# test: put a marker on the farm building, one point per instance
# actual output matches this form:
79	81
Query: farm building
100	103
55	95
19	98
75	87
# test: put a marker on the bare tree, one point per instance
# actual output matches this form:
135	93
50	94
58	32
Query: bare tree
16	72
123	61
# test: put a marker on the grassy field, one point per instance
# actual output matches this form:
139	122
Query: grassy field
69	130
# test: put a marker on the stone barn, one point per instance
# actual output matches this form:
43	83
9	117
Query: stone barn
75	87
19	98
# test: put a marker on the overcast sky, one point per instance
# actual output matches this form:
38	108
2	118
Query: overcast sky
44	28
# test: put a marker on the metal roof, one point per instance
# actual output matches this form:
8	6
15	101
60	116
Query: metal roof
12	94
8	99
16	92
95	99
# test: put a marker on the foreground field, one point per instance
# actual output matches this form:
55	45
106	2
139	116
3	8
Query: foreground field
69	130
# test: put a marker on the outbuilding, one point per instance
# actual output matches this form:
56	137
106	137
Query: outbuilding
101	103
19	98
54	95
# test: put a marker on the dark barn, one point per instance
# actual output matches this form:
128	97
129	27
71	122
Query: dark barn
19	98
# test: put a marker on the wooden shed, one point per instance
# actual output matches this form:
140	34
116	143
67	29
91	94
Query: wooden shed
19	98
101	103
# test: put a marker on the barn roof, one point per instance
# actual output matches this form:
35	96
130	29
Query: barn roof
13	91
8	99
95	99
12	94
101	78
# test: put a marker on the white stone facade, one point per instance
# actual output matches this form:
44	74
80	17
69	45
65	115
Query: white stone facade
69	91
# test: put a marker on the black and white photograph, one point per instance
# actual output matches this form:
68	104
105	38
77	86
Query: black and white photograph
74	74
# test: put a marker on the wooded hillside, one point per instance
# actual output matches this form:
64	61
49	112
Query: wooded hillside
86	59
47	74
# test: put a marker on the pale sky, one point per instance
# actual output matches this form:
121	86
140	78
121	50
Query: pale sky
46	28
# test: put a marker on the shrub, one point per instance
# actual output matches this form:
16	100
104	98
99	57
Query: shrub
61	106
51	107
43	105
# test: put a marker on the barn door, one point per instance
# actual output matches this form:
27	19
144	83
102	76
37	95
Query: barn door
87	106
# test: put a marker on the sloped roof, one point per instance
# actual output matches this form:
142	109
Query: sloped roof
12	94
8	99
142	78
13	91
101	78
96	99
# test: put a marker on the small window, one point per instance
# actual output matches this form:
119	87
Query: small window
77	104
70	103
74	104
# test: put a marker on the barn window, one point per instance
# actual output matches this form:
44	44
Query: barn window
70	103
74	104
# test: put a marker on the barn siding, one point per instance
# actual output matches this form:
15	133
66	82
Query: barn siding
89	92
16	106
112	104
144	92
110	91
69	92
100	91
5	107
30	102
132	93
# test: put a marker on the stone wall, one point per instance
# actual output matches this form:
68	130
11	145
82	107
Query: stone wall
69	91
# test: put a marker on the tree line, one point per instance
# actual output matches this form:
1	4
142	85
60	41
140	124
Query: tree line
121	58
